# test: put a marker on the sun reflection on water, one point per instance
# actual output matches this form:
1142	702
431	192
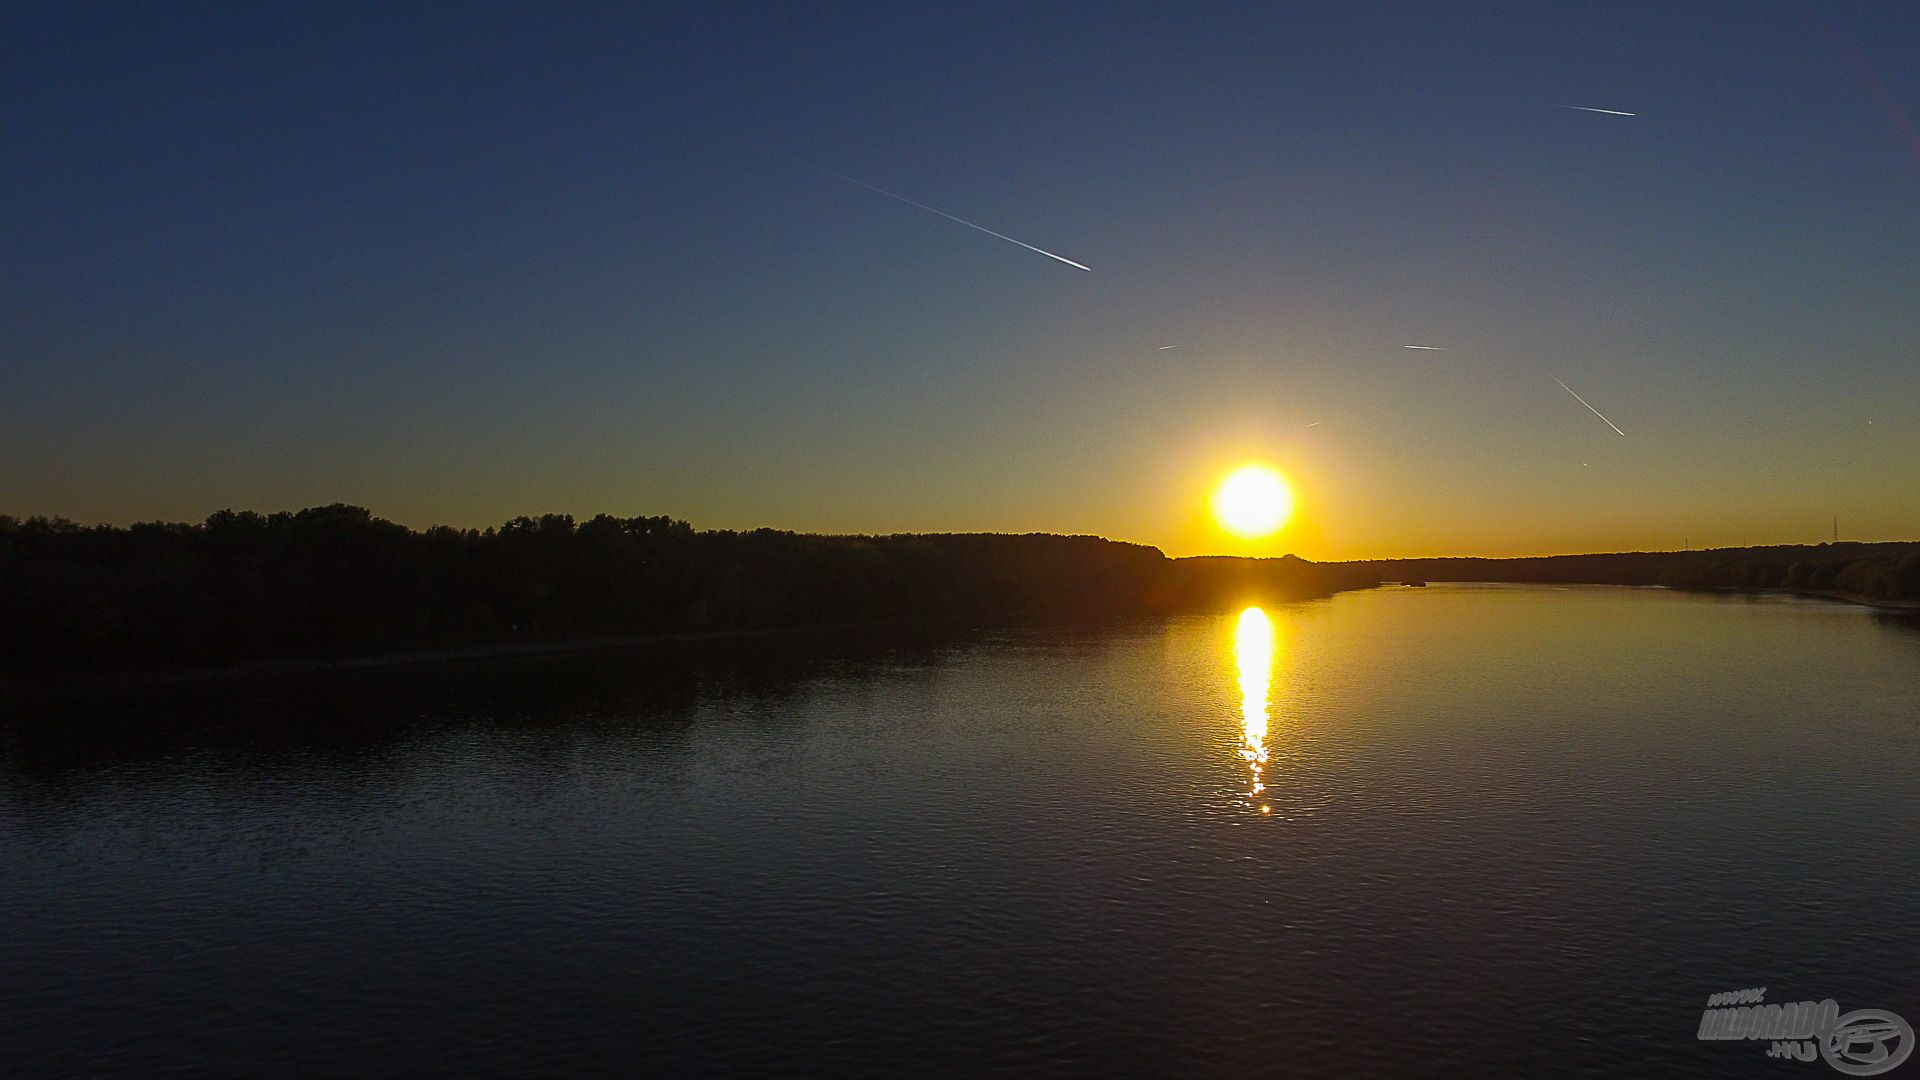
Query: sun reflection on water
1253	650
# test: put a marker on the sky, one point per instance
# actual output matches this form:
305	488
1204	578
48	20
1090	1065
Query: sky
457	263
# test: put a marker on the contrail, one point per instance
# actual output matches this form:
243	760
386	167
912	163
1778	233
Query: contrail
950	217
1164	348
1591	409
1316	423
1428	348
1609	112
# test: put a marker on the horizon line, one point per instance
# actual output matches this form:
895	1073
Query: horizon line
579	520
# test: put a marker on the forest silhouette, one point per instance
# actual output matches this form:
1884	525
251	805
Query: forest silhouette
337	581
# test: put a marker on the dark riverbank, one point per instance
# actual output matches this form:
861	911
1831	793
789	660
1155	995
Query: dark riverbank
336	583
1911	607
335	586
1882	575
62	682
84	682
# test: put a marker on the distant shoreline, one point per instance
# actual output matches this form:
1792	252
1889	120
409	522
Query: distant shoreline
1910	607
1881	575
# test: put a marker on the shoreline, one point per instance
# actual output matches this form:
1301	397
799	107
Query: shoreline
122	679
1896	607
1902	607
125	679
112	680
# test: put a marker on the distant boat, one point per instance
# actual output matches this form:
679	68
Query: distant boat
1414	584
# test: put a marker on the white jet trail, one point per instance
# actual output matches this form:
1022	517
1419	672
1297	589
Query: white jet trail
1164	348
1591	409
1609	112
950	217
1427	348
1316	423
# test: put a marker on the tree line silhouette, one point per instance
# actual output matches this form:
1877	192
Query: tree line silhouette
336	580
1881	572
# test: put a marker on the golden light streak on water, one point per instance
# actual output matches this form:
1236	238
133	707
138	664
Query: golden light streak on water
1253	652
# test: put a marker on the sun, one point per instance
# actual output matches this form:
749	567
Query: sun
1253	501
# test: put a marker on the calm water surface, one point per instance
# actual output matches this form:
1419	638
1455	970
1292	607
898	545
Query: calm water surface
1453	831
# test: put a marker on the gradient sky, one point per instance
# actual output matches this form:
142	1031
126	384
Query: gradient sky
464	262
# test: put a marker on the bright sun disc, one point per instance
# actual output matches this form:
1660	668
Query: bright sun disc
1253	502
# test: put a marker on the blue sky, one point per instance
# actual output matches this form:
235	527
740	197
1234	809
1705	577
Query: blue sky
461	262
